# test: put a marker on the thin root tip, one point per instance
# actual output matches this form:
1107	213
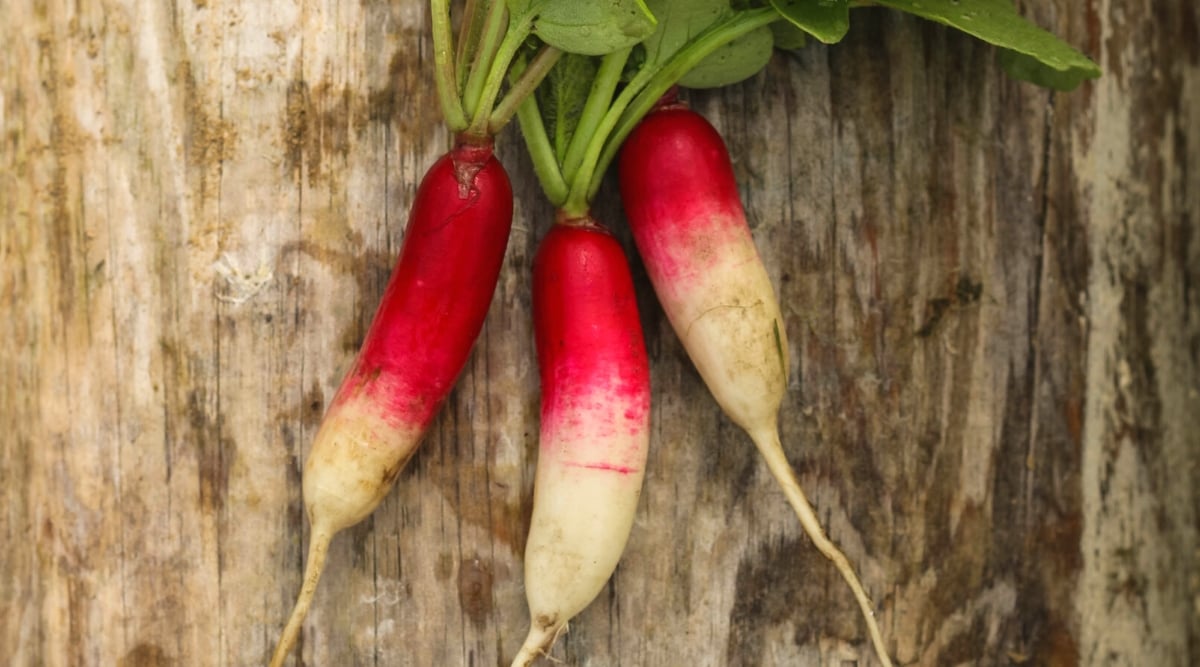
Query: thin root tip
537	644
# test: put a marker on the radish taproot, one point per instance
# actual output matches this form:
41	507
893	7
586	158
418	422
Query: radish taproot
682	202
595	431
431	313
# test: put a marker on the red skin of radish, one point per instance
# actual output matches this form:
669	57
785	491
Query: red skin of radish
431	313
675	171
595	429
587	329
438	295
682	202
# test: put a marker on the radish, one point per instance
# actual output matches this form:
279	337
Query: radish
682	203
595	427
432	310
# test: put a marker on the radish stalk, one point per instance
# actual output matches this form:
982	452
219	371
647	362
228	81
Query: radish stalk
518	31
431	312
683	206
469	34
599	136
523	85
599	100
443	58
636	101
490	34
595	431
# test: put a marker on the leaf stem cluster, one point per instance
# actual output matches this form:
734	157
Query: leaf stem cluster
469	79
609	116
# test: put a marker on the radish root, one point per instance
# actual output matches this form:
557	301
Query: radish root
317	548
772	450
539	639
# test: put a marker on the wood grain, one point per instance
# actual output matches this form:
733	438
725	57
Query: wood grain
990	290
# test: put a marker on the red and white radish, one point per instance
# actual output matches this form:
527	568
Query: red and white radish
595	427
430	315
682	202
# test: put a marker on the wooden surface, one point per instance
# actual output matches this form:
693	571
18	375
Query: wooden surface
992	294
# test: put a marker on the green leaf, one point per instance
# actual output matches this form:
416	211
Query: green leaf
1028	68
788	36
1034	54
634	64
562	96
736	61
519	7
827	20
588	27
680	21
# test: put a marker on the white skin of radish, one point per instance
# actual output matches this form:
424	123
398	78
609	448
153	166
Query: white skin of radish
724	311
728	319
354	460
356	456
589	477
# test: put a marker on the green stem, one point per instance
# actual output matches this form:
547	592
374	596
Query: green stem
443	47
468	41
668	75
492	32
517	32
523	87
580	200
598	101
545	162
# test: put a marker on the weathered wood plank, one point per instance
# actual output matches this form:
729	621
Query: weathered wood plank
989	289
